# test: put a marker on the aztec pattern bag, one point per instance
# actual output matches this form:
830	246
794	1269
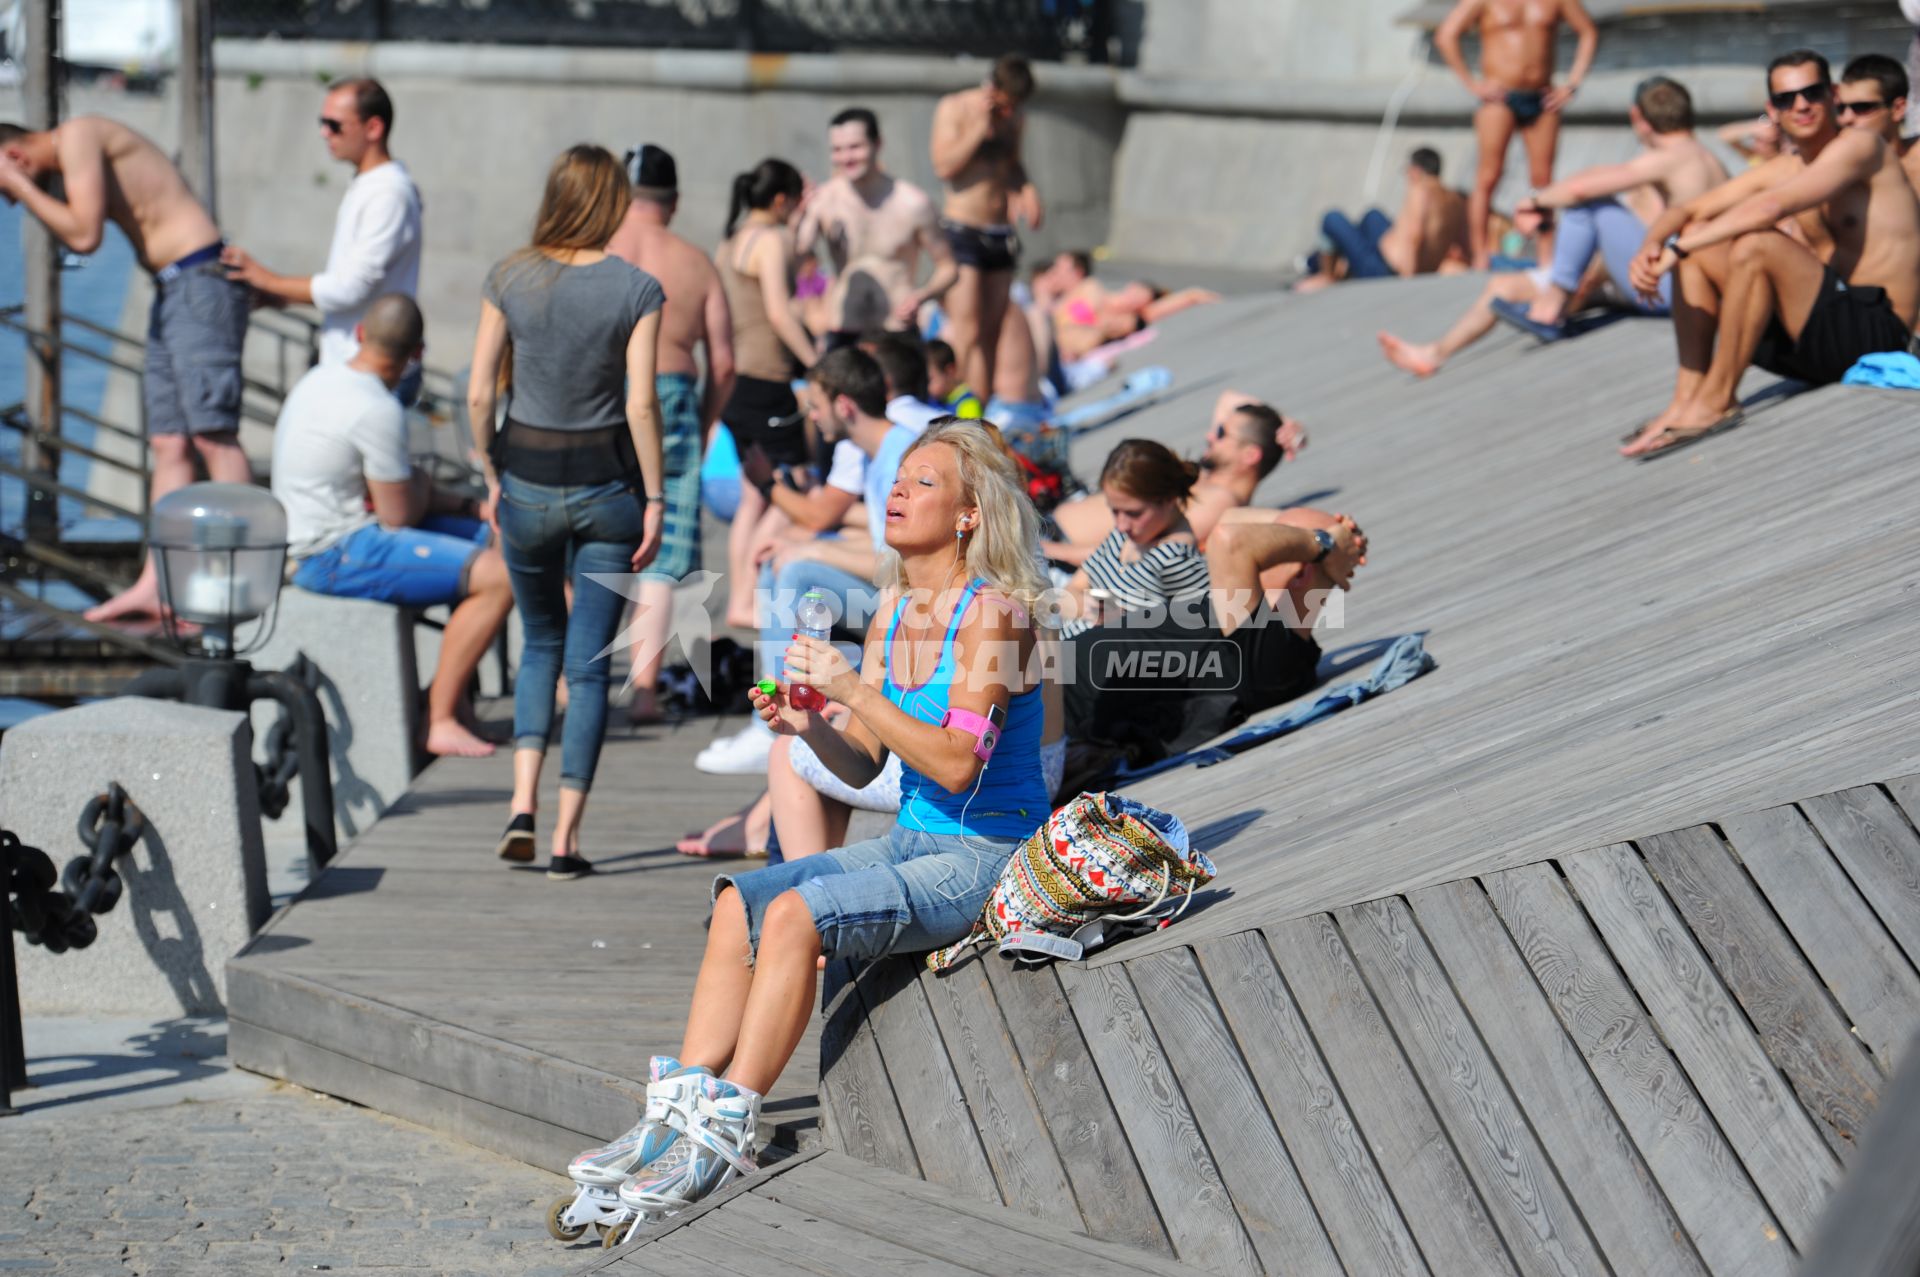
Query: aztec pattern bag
1102	865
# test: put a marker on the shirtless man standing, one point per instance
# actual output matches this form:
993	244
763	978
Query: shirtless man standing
695	314
875	227
1751	294
199	317
1515	87
976	152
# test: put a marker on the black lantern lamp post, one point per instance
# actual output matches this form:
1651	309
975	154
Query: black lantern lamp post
221	551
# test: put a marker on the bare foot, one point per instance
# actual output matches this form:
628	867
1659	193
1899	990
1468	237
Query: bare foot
1545	311
142	598
1683	424
725	830
644	708
1654	428
1420	359
1314	283
447	738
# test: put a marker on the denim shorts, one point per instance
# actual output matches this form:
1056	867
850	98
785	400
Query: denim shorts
903	892
410	567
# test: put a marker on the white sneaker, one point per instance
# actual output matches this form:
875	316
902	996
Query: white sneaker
745	753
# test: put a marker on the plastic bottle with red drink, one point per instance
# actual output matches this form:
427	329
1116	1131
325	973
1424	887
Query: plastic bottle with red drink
814	620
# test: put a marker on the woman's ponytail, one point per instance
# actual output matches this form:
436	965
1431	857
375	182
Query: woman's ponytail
738	203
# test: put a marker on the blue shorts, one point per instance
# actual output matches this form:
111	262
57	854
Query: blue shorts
410	567
903	892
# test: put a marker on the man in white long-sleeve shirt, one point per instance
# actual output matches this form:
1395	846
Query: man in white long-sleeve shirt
376	234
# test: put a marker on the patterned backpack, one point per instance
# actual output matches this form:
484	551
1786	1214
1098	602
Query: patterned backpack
1101	868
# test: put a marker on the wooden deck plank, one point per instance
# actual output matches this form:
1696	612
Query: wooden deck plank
1012	1133
1517	1180
1305	1102
1107	1184
1799	1027
1880	851
862	1112
1605	1177
1872	1227
1436	1196
1873	980
795	1237
1179	1169
931	1100
1789	1162
1699	1172
936	1230
919	1191
1210	1072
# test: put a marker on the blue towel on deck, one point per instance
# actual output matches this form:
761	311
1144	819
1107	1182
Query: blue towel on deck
1405	661
1890	369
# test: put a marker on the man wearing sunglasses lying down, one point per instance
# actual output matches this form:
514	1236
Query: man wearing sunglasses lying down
1747	293
376	233
75	178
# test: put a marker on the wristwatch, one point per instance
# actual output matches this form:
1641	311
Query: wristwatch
1673	242
1324	539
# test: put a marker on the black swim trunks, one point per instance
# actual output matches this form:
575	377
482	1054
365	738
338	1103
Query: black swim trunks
1846	322
1527	105
982	247
765	412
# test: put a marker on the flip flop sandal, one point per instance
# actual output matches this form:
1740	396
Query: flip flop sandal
1686	439
1514	314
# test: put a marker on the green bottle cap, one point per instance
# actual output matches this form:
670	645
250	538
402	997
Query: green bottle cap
767	687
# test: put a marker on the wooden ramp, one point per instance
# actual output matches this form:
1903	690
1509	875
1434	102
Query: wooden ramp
1652	1057
1590	951
423	977
827	1214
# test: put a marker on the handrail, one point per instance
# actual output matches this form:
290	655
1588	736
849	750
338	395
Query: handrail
46	440
33	480
106	633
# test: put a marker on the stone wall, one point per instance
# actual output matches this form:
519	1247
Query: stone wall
478	126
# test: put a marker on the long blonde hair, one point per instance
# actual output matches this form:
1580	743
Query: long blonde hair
584	203
1004	550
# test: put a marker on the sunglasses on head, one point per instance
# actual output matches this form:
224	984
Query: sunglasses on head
1869	107
1813	93
332	125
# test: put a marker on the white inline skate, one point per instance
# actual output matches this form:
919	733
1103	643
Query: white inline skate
718	1144
672	1093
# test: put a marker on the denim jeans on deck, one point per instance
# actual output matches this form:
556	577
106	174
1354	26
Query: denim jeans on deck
1360	244
1607	227
548	534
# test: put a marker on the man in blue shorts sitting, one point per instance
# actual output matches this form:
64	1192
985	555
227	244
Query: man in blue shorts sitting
362	523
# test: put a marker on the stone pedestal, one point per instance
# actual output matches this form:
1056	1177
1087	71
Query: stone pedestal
369	686
195	885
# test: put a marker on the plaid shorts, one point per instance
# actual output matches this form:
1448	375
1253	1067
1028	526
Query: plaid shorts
680	447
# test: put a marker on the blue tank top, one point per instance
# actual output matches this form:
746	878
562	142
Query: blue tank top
1010	799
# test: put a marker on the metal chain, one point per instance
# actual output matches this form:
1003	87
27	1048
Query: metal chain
45	916
109	826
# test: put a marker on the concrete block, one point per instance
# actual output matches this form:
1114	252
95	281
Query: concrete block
195	885
369	686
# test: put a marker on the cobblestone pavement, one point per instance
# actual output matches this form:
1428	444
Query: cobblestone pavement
283	1181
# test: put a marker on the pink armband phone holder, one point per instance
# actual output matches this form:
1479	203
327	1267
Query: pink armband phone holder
982	727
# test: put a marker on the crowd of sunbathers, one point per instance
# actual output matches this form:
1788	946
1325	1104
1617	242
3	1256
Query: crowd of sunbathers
885	394
1802	264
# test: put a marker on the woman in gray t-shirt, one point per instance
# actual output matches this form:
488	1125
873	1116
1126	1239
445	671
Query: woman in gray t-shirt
575	475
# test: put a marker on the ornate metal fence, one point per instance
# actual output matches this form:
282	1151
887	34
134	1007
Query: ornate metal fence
1043	29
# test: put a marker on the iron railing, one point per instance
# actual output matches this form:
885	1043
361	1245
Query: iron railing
1049	30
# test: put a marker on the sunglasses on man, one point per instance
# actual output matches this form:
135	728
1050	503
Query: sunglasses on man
1814	94
332	125
1871	106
